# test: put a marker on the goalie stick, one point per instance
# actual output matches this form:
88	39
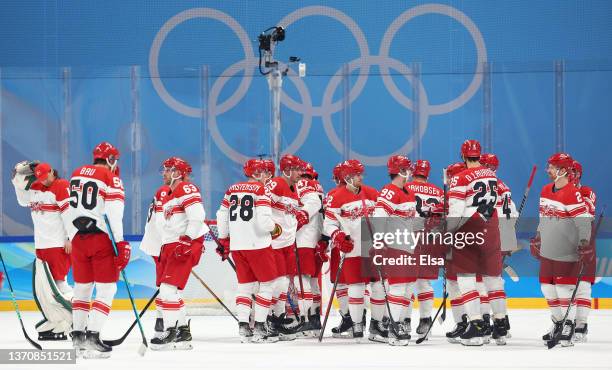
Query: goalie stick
116	342
25	333
552	342
143	347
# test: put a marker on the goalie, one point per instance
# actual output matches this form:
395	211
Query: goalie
38	187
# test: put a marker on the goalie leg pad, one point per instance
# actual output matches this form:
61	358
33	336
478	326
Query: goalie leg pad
53	304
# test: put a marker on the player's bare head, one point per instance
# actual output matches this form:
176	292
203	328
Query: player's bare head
256	169
337	174
470	151
399	166
421	169
352	173
490	161
576	173
291	167
106	154
44	174
309	172
559	165
175	169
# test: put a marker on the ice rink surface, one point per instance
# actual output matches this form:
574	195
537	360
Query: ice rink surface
216	346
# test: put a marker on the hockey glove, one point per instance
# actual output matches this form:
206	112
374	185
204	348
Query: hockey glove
124	251
586	252
342	241
183	250
534	246
302	218
321	251
223	249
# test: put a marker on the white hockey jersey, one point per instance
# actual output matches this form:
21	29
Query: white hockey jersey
245	216
49	211
183	214
310	194
506	210
151	240
284	203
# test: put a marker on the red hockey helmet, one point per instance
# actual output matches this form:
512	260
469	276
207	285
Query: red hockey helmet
105	150
290	161
454	169
253	166
470	149
397	163
337	172
421	168
270	166
350	168
178	164
490	161
577	168
310	171
561	160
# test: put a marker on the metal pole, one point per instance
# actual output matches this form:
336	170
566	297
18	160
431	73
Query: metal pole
559	66
416	111
66	121
275	83
346	112
136	148
487	120
205	165
2	231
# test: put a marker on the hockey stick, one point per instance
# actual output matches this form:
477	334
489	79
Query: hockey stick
299	272
331	297
444	292
420	340
213	294
143	348
116	342
219	246
552	342
33	343
508	269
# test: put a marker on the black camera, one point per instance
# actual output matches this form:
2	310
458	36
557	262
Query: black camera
266	39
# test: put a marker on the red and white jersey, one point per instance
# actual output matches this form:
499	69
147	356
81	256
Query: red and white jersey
284	204
183	214
151	240
426	195
564	221
472	193
399	203
245	216
507	214
589	197
95	191
310	195
345	210
49	210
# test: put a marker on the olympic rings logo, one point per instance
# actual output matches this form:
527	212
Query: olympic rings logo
328	106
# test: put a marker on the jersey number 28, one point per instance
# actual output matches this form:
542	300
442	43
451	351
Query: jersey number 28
246	207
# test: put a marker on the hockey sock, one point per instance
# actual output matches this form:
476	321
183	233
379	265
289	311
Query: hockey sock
356	301
425	296
485	307
280	294
377	300
564	292
550	293
305	301
158	307
244	301
80	305
455	300
170	305
469	295
583	303
105	292
182	310
342	297
497	296
316	295
263	300
398	300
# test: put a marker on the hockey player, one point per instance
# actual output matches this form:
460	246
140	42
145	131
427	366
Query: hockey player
427	195
310	195
394	201
342	224
508	215
583	295
39	188
96	191
456	300
287	214
182	230
246	228
472	199
562	244
151	240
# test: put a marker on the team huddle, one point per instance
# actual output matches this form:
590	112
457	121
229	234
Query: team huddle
279	230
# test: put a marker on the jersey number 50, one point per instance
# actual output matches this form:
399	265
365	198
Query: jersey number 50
89	198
